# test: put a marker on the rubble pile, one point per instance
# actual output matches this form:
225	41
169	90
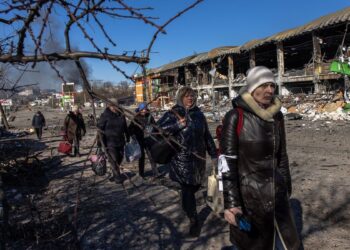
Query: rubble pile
327	106
330	106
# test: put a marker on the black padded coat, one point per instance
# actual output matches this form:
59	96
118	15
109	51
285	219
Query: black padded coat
259	180
114	128
185	167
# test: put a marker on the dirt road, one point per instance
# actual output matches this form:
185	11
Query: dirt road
70	203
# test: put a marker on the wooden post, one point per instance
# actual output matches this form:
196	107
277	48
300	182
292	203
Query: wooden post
212	82
252	61
188	76
231	74
280	62
317	56
199	72
4	118
212	79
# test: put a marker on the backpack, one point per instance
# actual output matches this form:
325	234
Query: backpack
240	121
215	198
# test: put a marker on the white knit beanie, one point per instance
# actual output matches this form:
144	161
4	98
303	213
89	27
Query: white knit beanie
258	76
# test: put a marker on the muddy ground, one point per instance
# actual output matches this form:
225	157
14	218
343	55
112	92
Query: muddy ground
64	205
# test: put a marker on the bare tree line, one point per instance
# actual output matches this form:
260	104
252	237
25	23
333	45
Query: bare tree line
23	16
29	23
30	20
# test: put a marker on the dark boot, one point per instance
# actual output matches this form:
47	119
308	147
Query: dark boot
119	179
195	229
76	152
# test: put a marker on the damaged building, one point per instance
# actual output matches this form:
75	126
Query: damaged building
301	59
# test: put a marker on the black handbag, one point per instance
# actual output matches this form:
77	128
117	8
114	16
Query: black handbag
162	147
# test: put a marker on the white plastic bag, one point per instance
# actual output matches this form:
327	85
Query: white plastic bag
223	168
215	199
132	150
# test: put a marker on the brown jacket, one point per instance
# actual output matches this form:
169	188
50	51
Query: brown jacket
74	126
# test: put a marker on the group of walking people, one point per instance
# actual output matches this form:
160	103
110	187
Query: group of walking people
256	179
73	127
114	133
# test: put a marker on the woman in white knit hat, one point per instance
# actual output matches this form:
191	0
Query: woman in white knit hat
257	182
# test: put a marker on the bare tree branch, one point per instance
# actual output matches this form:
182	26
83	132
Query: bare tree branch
71	56
44	56
22	33
167	23
140	16
15	89
45	21
77	12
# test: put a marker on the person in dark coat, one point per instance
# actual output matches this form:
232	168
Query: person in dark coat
75	128
114	130
188	166
38	123
257	181
141	128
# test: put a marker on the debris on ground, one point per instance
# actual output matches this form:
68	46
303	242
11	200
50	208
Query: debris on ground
330	106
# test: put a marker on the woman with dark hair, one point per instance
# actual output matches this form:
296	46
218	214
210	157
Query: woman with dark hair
140	127
188	166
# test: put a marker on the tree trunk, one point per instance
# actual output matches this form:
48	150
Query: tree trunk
4	118
93	110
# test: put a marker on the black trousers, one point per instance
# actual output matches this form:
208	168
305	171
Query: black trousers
115	157
189	199
144	151
76	145
39	132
